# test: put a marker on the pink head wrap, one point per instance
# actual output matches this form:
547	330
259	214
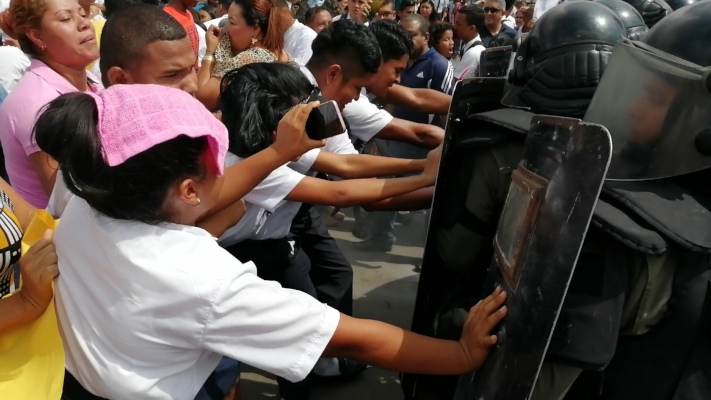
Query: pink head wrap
134	118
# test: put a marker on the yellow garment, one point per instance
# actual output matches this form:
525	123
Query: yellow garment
98	27
32	356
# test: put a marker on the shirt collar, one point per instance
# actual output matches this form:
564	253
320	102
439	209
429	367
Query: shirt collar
57	81
471	42
426	54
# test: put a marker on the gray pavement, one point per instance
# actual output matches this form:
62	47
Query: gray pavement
384	289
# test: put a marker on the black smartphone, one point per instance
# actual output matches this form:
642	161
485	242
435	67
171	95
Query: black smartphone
325	121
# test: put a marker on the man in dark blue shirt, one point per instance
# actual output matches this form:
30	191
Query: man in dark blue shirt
427	69
494	11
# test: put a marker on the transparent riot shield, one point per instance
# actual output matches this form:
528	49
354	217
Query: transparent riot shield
540	234
495	62
465	132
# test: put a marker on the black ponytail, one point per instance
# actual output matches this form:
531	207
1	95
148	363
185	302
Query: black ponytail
135	190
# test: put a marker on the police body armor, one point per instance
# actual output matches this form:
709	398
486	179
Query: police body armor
657	201
539	237
476	120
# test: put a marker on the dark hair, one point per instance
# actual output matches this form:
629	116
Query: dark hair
394	42
332	7
254	98
311	13
474	15
437	31
434	15
114	6
406	4
422	24
349	44
272	20
66	130
210	10
196	18
226	3
128	33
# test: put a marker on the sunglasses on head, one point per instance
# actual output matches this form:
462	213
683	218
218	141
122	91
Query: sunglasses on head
492	10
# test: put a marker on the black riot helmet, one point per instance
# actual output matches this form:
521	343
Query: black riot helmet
559	64
655	99
630	17
677	4
652	11
685	33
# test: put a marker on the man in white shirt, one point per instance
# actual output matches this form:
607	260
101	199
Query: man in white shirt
298	38
13	66
467	23
358	11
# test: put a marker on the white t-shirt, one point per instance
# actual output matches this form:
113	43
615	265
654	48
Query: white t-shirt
364	118
269	214
470	59
202	43
12	67
297	42
148	311
510	21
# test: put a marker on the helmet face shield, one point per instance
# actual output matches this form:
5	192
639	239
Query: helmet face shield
658	110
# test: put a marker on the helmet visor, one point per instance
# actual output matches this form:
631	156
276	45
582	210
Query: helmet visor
658	109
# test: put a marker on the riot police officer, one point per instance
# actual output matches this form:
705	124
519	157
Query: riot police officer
651	10
557	69
636	27
655	99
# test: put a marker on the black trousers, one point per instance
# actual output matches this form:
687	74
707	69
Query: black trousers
331	273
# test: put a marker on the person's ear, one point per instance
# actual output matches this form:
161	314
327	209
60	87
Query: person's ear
187	192
36	37
333	74
118	76
427	37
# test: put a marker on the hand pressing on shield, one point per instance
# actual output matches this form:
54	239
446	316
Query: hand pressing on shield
390	347
476	337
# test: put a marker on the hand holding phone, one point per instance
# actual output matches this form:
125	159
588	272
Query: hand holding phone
325	121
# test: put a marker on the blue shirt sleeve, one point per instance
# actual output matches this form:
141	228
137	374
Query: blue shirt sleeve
442	76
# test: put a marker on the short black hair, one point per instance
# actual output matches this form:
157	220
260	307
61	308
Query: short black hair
394	42
474	15
437	30
226	3
351	45
311	13
422	24
114	6
405	4
254	98
128	33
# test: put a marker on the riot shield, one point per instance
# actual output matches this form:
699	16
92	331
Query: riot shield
495	61
540	234
466	130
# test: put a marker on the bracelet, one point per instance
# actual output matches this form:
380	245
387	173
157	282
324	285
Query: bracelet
209	53
208	58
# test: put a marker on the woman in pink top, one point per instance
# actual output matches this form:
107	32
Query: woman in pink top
60	40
